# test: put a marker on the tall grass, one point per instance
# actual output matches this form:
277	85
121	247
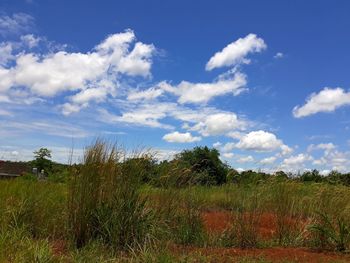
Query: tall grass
104	200
38	207
331	228
245	221
285	205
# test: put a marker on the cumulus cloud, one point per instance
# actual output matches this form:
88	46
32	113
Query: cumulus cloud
179	137
236	52
143	115
217	145
30	40
327	147
228	147
219	124
228	155
91	76
268	160
16	24
295	162
327	100
332	158
261	141
189	92
246	159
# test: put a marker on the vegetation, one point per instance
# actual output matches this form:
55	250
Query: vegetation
42	160
122	207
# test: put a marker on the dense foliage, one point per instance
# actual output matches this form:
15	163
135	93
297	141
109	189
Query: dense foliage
197	166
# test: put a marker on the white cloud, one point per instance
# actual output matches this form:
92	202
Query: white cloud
228	155
278	55
59	153
295	162
5	53
148	94
91	76
236	52
142	115
219	124
268	160
260	141
327	100
228	147
5	113
327	147
325	172
69	108
203	92
164	154
180	137
217	145
235	135
15	24
332	159
30	40
246	159
48	127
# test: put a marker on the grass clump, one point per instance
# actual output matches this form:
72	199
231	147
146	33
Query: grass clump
104	200
331	233
245	222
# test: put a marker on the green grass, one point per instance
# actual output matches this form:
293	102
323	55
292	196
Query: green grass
103	213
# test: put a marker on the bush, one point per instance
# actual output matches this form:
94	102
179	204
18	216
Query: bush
203	165
331	233
251	177
311	176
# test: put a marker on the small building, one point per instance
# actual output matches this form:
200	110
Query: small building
10	169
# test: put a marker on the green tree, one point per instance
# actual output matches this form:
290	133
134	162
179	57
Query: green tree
311	176
42	160
205	165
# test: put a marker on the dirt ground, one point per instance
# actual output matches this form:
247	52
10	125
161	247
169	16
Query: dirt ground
218	221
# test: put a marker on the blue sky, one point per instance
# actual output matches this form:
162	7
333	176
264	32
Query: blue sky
265	82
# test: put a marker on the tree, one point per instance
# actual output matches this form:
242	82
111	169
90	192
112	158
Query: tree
205	165
42	159
311	176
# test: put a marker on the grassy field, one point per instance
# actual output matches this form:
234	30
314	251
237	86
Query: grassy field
103	213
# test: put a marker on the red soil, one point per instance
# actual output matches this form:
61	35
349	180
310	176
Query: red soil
217	221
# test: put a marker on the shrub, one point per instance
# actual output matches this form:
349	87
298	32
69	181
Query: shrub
204	165
331	233
311	176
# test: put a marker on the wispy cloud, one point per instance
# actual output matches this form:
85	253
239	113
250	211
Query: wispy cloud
16	24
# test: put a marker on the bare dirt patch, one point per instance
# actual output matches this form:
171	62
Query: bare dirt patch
217	221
